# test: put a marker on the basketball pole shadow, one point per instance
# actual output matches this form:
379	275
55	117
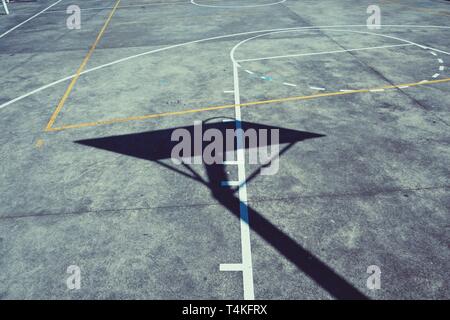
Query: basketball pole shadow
157	146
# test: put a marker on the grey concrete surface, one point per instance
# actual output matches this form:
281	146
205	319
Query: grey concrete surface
372	189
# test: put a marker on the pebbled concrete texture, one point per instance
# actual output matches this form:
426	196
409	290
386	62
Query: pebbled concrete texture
372	189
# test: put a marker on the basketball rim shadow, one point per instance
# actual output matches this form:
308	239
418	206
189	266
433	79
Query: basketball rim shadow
157	146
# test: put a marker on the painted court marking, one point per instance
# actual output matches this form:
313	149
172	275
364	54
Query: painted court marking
236	6
29	19
230	267
317	88
441	67
246	251
125	59
80	69
246	265
245	104
406	43
323	53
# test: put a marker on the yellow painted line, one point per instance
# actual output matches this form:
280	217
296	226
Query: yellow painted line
80	69
245	104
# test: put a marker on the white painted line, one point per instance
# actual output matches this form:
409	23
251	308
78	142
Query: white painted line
5	6
376	90
324	52
232	53
433	53
441	68
441	61
142	54
229	91
436	75
345	90
35	91
403	87
250	72
230	162
247	264
29	19
423	81
289	84
230	183
230	267
236	7
317	88
228	120
441	51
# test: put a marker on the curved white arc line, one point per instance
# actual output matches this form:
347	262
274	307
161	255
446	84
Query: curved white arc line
36	91
232	52
434	49
244	6
204	40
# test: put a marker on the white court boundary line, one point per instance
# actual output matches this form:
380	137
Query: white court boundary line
407	42
232	52
235	6
247	266
324	52
29	19
215	38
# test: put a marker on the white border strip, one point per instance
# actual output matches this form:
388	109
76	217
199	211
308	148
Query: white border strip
247	265
230	267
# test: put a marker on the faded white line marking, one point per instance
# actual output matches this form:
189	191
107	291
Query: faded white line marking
289	84
231	267
132	57
230	162
324	52
230	184
247	264
436	75
237	6
30	18
317	88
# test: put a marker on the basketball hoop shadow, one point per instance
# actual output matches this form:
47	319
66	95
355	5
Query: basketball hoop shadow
157	146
